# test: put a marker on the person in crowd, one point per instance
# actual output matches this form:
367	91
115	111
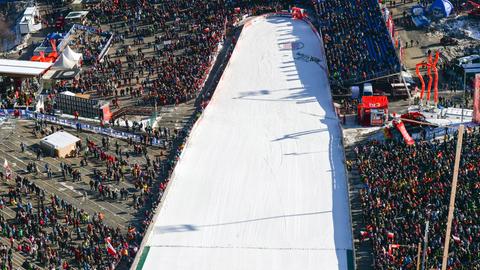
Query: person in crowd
357	43
406	186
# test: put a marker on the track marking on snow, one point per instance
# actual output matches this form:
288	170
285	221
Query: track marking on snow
247	247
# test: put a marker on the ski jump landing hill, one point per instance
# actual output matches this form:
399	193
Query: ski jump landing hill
261	181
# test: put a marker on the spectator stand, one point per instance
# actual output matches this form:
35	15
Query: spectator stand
357	42
417	192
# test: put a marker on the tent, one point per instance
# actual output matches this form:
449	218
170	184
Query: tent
59	144
441	8
71	55
63	63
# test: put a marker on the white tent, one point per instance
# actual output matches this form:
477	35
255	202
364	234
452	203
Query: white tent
59	144
72	55
63	63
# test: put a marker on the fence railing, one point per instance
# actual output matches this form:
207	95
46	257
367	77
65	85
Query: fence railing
26	114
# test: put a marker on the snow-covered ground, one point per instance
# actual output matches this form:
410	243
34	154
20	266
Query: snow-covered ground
261	182
468	26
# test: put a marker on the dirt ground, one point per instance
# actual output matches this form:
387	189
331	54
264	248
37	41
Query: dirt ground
428	38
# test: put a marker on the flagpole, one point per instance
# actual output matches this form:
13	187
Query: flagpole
419	252
425	244
453	193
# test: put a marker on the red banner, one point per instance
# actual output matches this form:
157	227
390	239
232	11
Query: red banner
476	100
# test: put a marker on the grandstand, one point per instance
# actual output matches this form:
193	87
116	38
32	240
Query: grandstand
261	182
358	45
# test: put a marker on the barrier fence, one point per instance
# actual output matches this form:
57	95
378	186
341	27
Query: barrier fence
25	114
433	133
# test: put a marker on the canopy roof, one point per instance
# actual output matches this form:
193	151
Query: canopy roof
76	15
22	68
63	63
60	139
72	55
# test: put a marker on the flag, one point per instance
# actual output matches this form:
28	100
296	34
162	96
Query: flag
390	235
110	249
456	238
7	169
364	235
391	247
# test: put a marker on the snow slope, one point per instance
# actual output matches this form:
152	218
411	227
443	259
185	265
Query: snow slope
261	182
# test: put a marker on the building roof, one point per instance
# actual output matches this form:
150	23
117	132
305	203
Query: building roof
60	139
22	68
76	15
30	11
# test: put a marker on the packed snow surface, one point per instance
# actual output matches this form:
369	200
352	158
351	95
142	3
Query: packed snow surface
261	182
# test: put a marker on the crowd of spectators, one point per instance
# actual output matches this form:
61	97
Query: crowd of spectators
406	186
12	97
56	234
52	233
90	44
161	49
357	43
77	239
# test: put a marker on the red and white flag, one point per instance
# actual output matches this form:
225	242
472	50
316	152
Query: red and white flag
110	249
456	238
391	247
7	169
